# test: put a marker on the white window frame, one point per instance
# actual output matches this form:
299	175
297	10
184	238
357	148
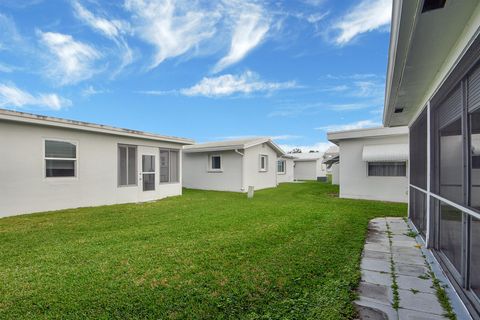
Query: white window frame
284	166
260	163
210	163
118	165
45	158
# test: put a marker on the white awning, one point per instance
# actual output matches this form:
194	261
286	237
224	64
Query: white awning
385	152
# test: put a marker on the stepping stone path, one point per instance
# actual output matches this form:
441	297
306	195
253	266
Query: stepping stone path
391	255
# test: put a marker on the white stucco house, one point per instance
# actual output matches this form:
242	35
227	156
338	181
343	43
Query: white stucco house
51	164
373	163
285	168
231	165
309	166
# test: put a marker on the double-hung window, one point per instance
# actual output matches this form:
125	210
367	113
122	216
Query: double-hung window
169	164
263	162
281	166
127	165
60	159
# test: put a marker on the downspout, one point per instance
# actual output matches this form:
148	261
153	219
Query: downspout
242	181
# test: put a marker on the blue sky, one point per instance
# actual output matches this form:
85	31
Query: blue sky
205	70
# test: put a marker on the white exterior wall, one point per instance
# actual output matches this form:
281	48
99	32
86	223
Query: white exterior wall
309	169
335	169
196	173
24	188
354	182
253	175
288	176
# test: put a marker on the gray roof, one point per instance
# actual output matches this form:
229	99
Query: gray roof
23	117
232	145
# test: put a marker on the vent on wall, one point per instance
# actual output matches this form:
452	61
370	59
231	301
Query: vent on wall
398	110
429	5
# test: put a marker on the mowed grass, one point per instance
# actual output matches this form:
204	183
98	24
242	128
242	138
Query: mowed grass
292	252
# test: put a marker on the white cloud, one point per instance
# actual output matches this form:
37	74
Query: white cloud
350	126
5	68
319	146
91	91
228	84
366	16
251	27
110	28
72	60
12	96
113	29
349	106
172	27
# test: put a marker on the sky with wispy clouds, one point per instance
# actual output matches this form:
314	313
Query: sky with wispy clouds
206	70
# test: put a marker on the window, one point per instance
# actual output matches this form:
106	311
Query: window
60	159
263	162
127	165
451	161
215	163
387	169
281	166
169	165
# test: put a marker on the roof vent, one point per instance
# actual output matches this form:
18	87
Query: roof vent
398	110
429	5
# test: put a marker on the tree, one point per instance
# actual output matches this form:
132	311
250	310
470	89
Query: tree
296	150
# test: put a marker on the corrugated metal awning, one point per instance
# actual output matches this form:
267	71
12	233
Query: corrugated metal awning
385	152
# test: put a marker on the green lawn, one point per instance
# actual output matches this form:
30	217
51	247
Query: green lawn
290	253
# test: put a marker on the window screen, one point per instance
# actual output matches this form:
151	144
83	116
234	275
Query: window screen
174	159
127	165
418	152
164	166
169	165
60	159
216	162
387	169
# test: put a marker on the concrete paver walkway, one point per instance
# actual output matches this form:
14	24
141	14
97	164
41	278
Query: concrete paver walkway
396	281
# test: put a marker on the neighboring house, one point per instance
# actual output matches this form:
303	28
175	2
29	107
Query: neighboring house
309	166
331	161
50	164
285	168
433	86
373	163
231	165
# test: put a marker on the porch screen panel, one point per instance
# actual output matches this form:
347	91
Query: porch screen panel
451	234
449	174
164	166
418	152
132	166
475	257
474	89
122	166
174	161
418	207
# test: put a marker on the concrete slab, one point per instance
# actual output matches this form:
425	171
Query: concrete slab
375	265
377	247
376	277
376	255
408	259
423	302
410	270
409	282
405	314
382	294
382	311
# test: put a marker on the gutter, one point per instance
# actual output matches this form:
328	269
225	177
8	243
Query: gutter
242	187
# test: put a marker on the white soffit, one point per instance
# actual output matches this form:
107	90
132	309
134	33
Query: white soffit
385	152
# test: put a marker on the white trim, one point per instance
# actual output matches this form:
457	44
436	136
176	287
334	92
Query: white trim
45	158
